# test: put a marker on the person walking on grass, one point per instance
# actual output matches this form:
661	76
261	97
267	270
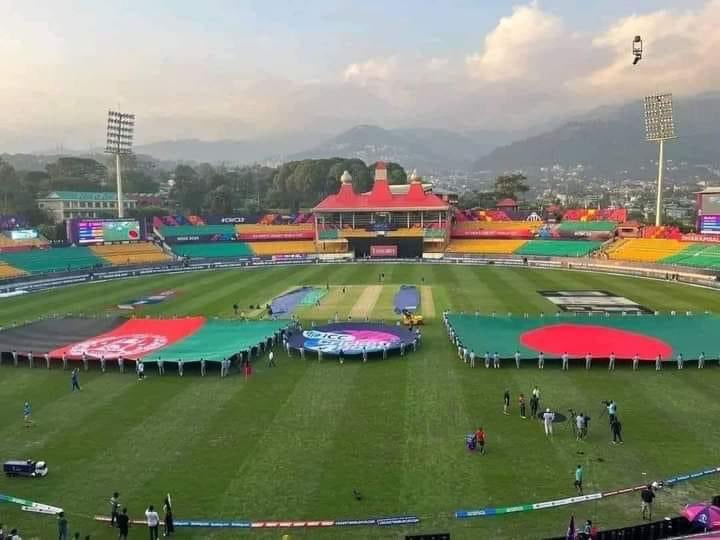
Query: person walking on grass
521	401
114	508
123	525
480	438
579	474
153	522
27	414
506	402
75	380
548	418
647	496
534	405
62	524
616	429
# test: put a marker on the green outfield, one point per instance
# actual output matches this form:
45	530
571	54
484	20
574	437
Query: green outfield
293	442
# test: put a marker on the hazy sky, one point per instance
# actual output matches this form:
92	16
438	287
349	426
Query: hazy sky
240	69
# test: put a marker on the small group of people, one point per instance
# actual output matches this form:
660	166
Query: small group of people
522	403
9	534
63	528
476	441
119	518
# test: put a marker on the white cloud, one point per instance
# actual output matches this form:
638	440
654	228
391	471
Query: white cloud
435	65
513	47
372	70
680	54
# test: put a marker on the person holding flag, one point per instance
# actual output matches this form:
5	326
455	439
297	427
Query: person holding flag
611	362
565	359
517	359
636	361
168	522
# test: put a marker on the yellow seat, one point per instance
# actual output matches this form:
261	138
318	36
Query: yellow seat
7	271
283	248
123	254
644	249
505	247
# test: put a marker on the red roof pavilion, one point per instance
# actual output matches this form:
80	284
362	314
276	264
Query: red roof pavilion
380	198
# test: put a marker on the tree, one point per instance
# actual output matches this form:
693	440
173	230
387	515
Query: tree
395	173
219	201
477	199
189	189
78	174
135	181
510	186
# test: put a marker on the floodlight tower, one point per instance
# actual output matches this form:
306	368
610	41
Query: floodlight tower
120	128
659	127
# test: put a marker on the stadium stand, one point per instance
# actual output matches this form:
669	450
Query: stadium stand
7	271
500	247
696	255
497	225
282	248
8	243
644	249
653	231
586	226
558	248
120	254
38	261
260	228
617	215
196	230
212	250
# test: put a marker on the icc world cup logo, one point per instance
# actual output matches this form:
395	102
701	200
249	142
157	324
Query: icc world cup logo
131	345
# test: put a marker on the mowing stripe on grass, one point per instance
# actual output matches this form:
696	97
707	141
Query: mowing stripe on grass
427	301
366	303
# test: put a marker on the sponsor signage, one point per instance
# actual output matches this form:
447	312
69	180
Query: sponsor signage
23	234
232	220
351	338
706	237
383	251
593	302
292	235
97	231
488	233
710	224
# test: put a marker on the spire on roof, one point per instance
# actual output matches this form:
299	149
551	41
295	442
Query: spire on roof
346	178
414	176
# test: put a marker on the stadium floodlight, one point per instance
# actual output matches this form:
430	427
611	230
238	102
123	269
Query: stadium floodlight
120	130
659	127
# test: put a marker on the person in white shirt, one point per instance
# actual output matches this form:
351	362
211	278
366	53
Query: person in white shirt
680	361
140	370
180	367
487	359
541	360
611	363
271	359
84	361
102	363
565	361
701	360
121	364
15	358
161	366
517	359
636	362
658	363
496	360
202	367
472	358
153	522
47	360
64	361
548	418
588	361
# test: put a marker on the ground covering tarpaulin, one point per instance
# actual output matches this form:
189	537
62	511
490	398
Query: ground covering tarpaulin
51	334
313	296
284	305
645	335
134	339
407	299
217	340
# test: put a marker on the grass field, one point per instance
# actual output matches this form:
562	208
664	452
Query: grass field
293	442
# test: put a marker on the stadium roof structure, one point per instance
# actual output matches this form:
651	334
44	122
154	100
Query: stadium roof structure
81	196
380	198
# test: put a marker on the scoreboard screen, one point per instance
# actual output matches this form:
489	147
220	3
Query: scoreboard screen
97	231
710	224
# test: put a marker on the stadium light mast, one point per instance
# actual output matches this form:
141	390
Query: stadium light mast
120	129
659	127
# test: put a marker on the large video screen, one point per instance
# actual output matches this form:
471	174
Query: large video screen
710	224
710	204
96	231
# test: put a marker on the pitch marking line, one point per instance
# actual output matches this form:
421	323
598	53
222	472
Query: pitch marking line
427	302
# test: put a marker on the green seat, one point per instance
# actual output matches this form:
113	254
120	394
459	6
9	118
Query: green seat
697	256
213	250
193	230
558	248
40	261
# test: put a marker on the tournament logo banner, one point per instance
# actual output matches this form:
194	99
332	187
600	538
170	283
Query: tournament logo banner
589	301
350	338
134	339
147	300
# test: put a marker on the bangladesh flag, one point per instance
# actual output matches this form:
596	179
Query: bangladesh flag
625	336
